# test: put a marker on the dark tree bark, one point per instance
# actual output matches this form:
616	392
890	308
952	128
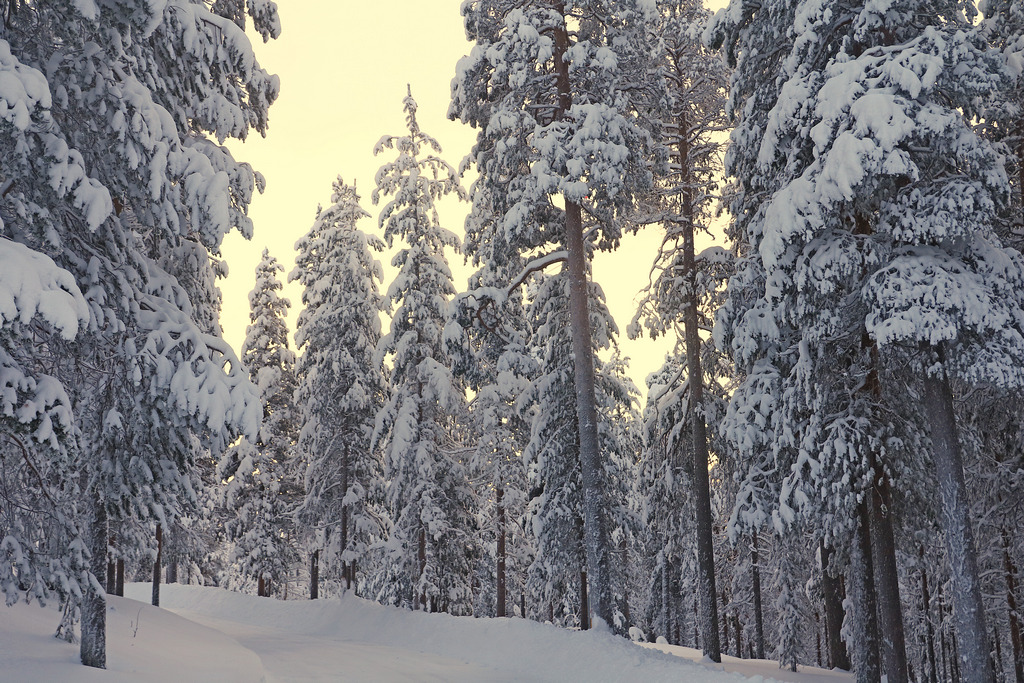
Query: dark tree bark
93	647
623	550
120	578
421	555
594	526
111	583
347	573
926	607
831	590
499	499
725	623
1011	604
314	575
584	603
261	587
157	564
969	621
892	642
755	568
172	571
868	666
817	637
943	641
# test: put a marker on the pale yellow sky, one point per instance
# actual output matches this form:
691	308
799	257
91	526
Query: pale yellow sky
344	67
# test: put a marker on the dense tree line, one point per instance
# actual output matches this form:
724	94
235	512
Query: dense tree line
826	469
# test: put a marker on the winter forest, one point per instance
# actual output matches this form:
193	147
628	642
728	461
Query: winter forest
827	469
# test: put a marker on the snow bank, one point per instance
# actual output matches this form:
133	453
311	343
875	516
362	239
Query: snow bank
164	648
759	669
514	649
346	639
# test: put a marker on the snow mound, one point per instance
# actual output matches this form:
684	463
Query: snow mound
207	635
495	649
144	643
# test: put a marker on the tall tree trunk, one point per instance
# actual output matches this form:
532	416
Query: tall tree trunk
93	648
261	587
584	602
120	578
926	608
667	621
1011	605
817	637
157	564
346	574
421	555
838	657
172	571
725	623
314	575
755	568
594	526
971	632
868	667
499	499
892	642
623	551
111	582
943	641
695	378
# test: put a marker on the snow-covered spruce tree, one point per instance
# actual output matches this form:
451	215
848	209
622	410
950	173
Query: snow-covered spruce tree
429	555
555	117
789	574
884	218
119	107
487	341
261	481
557	500
1003	118
38	511
341	386
666	509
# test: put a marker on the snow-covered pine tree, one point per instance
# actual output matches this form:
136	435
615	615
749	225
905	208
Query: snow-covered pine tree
341	386
429	555
693	123
120	107
877	231
554	110
261	479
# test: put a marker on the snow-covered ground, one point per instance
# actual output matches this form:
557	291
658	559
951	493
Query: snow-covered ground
208	634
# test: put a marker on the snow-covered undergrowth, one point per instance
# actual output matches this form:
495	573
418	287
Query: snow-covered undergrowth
208	634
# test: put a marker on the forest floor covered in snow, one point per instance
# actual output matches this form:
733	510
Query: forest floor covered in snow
209	634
